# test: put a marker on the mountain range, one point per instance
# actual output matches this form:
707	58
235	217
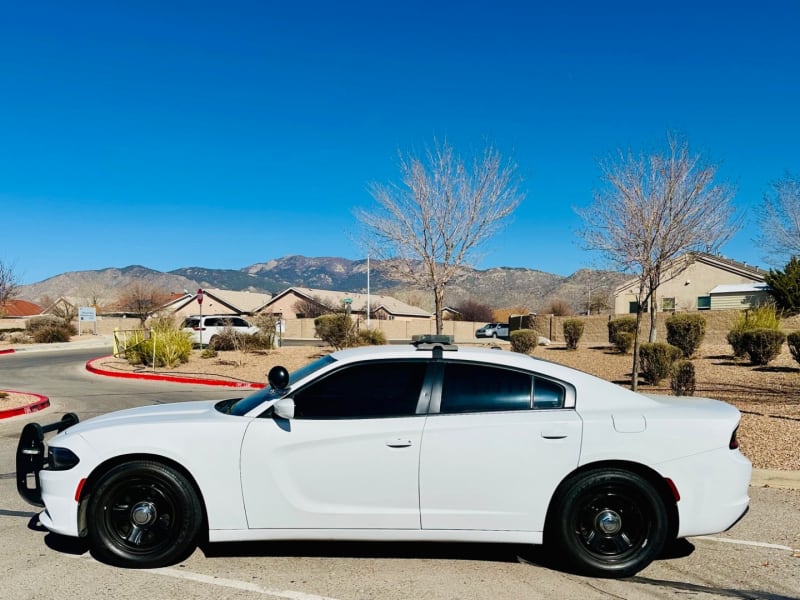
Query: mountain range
498	287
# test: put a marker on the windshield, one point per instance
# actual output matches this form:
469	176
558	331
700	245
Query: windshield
245	405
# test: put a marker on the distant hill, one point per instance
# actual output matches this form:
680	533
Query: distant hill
498	287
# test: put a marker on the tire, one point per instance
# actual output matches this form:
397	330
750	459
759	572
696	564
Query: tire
164	503
212	342
494	334
609	523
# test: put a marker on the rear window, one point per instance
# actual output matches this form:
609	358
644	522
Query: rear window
191	323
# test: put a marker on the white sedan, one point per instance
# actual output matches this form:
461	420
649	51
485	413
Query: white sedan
425	442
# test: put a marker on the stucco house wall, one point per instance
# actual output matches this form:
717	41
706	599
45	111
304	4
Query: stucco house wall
690	288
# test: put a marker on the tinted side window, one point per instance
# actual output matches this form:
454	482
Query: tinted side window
191	323
548	394
367	390
239	323
481	388
213	322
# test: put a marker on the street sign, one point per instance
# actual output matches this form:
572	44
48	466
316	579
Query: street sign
200	296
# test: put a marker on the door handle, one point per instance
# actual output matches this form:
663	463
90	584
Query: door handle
399	443
554	434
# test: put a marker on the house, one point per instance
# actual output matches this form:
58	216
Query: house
19	309
289	304
692	281
215	302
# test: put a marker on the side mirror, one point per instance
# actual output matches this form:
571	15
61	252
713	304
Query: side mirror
283	408
278	378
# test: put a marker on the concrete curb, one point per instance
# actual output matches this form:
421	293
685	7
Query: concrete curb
40	404
171	378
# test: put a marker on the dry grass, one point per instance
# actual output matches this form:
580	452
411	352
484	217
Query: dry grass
769	397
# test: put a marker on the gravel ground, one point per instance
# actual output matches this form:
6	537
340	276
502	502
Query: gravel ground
768	397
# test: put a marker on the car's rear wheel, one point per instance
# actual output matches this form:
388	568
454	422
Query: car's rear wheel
143	514
609	523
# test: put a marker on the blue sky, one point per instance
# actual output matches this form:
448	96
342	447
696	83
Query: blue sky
175	134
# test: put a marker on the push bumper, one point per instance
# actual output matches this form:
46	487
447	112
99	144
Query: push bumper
31	457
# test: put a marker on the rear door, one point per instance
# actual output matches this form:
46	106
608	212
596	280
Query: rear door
500	444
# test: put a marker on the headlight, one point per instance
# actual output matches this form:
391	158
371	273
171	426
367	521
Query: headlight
61	459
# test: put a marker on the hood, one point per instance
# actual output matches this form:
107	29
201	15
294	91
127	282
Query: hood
161	413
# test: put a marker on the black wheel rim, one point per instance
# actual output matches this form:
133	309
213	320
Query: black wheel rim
613	523
143	515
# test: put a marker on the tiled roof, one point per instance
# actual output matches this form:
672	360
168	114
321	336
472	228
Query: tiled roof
391	305
20	308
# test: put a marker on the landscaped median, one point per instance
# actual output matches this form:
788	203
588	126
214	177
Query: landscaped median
14	403
113	367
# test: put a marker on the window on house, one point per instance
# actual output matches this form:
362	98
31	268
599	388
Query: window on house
633	307
668	304
704	303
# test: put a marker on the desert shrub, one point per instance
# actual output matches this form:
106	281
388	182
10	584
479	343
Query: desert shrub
623	342
763	345
682	379
267	325
336	330
228	339
50	322
371	337
686	332
559	308
50	334
165	346
657	359
524	340
208	353
761	317
621	325
42	321
793	340
573	330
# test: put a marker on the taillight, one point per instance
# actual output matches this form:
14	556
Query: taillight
199	328
734	443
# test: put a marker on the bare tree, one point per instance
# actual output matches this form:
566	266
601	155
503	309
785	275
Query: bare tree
475	311
9	283
779	221
142	300
429	226
313	307
653	210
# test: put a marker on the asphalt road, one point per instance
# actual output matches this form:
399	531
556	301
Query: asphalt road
754	560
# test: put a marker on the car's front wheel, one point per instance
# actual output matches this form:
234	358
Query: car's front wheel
143	514
609	523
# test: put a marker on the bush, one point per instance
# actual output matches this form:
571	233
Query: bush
761	317
166	346
682	379
208	353
573	330
336	330
50	322
43	321
793	339
228	339
371	337
657	359
619	326
524	340
686	332
623	342
50	334
763	345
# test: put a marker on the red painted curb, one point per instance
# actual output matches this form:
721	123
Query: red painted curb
41	403
7	351
172	378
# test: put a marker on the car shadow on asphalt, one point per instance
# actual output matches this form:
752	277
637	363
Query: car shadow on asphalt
507	553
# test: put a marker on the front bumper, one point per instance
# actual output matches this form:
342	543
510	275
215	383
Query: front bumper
31	456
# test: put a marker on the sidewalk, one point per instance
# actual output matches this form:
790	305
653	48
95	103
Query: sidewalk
88	341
